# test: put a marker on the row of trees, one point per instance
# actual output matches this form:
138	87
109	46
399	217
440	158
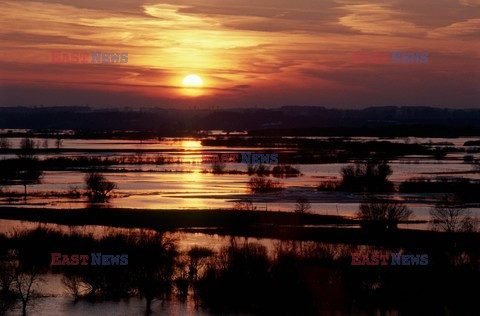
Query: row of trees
18	280
449	214
26	170
308	278
367	177
5	144
156	268
373	176
261	170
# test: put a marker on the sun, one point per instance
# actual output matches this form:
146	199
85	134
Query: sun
192	81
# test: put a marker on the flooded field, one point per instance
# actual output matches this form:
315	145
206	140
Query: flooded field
182	181
54	298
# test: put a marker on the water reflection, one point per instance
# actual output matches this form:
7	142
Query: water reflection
183	184
309	278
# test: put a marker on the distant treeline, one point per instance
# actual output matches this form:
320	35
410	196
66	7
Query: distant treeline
396	130
332	150
287	120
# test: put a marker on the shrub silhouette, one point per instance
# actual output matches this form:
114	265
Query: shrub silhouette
294	278
283	171
383	214
366	177
302	206
244	206
153	266
451	215
259	170
98	187
261	184
22	171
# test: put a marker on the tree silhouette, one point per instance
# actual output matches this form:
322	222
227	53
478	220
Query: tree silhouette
29	172
476	166
369	177
153	276
58	143
5	144
383	214
98	187
451	215
261	184
24	284
198	257
244	206
27	149
7	281
302	206
25	170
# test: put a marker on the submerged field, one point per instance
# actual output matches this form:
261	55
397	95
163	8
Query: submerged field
192	273
169	173
232	238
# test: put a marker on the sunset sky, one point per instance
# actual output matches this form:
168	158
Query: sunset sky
248	53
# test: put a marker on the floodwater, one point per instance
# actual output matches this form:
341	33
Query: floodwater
61	305
184	240
55	299
184	184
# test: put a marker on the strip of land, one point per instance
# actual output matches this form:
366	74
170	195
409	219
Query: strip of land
255	224
168	219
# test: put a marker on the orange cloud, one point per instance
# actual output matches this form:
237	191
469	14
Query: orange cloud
248	52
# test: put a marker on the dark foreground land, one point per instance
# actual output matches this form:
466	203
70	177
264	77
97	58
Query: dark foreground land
167	219
309	272
258	224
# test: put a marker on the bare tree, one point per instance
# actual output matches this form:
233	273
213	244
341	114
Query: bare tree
302	206
30	173
5	144
74	285
244	206
27	149
261	184
98	187
7	278
24	284
28	169
451	215
198	258
154	277
58	143
22	171
383	214
476	166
